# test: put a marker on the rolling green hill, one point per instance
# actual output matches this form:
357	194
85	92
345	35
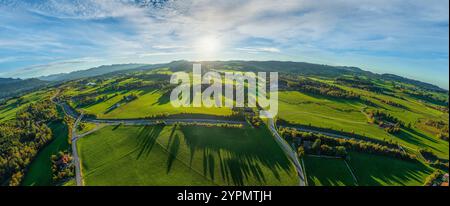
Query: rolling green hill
183	155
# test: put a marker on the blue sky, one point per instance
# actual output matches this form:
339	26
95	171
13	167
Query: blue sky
404	37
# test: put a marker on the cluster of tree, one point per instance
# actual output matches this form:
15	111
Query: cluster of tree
433	159
441	126
205	124
439	108
439	164
115	86
434	178
154	77
428	155
392	103
251	116
62	167
69	122
22	138
359	83
89	100
130	97
426	96
385	120
324	149
86	98
316	87
351	134
349	144
233	116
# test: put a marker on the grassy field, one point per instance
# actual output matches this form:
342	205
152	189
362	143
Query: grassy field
323	171
183	155
9	110
86	127
369	169
373	170
39	172
149	103
306	109
348	116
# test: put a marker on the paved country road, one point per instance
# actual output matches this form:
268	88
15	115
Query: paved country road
79	118
69	111
335	135
76	159
289	152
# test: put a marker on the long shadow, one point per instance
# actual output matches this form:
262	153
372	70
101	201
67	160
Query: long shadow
243	160
173	152
147	139
407	136
391	175
421	135
163	99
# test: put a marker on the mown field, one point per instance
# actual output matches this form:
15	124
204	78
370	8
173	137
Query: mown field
183	155
369	170
349	116
373	170
39	172
149	103
9	110
323	171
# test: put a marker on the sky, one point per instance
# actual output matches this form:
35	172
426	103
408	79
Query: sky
404	37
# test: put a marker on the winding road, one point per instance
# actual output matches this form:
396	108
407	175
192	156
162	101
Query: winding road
79	118
288	151
76	160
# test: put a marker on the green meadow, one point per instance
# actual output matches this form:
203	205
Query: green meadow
39	172
153	102
322	171
373	170
369	170
9	110
183	155
349	116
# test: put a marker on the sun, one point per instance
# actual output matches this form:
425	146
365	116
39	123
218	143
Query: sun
208	46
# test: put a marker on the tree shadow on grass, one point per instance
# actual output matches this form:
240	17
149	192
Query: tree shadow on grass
237	154
415	138
173	147
147	139
164	98
370	169
417	133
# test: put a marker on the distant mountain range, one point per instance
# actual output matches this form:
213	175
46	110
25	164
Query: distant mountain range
10	86
96	71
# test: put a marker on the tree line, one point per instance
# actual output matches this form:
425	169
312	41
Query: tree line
62	167
349	144
316	87
22	138
390	123
351	134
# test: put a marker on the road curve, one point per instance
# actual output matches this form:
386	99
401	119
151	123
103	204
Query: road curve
76	159
69	111
288	150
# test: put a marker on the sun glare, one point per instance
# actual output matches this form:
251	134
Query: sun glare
208	46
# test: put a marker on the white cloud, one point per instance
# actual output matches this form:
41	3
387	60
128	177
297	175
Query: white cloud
291	29
259	49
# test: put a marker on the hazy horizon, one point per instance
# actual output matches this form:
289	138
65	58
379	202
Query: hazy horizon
406	38
124	63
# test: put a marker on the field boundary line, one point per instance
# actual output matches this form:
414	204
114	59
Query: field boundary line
351	172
